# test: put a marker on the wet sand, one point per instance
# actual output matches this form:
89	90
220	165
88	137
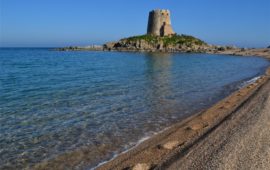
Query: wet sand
232	134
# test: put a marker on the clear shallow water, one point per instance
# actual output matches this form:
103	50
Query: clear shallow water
55	105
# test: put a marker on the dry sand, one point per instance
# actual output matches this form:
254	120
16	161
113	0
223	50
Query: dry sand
232	134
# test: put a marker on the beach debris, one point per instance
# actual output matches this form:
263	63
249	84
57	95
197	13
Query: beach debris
172	144
198	126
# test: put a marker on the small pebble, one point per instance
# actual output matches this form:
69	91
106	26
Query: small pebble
141	166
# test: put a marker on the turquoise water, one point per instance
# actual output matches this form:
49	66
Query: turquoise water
101	103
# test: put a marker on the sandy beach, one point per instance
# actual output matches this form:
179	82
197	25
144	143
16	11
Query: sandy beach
232	134
242	141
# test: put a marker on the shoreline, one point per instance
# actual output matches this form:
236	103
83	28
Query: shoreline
158	150
240	141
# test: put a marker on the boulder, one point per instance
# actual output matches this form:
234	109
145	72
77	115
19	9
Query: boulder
109	45
171	145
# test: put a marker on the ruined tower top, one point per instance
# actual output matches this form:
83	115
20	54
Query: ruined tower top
159	23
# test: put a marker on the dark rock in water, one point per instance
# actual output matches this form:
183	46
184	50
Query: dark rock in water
221	49
268	46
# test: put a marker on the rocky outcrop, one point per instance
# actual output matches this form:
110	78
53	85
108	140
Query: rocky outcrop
172	43
150	43
77	48
124	45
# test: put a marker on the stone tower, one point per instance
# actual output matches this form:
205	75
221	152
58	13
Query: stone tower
159	23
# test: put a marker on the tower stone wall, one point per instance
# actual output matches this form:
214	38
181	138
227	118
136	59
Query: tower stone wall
159	23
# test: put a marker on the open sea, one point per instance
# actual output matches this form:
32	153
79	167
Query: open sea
83	108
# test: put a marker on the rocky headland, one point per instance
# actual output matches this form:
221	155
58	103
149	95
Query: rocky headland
171	43
153	43
150	43
160	37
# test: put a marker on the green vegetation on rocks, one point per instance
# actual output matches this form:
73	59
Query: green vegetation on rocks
167	40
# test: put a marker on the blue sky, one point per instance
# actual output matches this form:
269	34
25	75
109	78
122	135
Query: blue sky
50	23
